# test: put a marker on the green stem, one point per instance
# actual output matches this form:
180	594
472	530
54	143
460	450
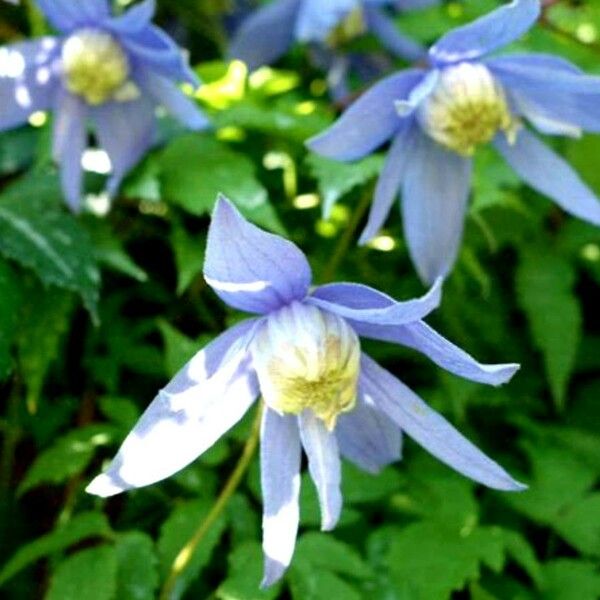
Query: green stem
185	554
341	249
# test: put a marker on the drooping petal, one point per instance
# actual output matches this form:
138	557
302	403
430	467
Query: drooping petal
69	140
369	122
134	19
203	401
168	94
367	437
550	175
391	37
266	34
280	456
125	130
324	466
430	429
66	15
547	89
153	48
442	352
316	19
366	305
434	202
27	82
494	30
390	180
418	94
249	268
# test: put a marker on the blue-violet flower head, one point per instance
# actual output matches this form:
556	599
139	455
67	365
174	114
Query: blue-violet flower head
110	70
436	117
321	393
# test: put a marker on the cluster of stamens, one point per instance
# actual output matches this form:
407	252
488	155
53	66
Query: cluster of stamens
467	107
96	68
307	358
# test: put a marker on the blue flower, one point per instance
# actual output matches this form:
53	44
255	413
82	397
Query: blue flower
270	31
320	392
112	71
435	119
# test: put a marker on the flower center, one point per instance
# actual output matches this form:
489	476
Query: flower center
352	26
467	108
96	67
307	358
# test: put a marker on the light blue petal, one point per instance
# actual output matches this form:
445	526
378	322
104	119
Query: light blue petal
419	94
549	174
369	122
266	34
168	94
390	36
27	82
430	429
249	268
390	180
66	15
490	32
134	19
367	437
203	401
549	90
366	305
69	140
434	202
316	18
442	352
125	130
324	466
280	457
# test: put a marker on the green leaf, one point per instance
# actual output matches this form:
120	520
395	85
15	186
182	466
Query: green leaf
244	576
80	527
580	525
68	456
40	235
567	579
212	168
312	584
178	347
544	284
137	573
10	304
121	411
336	178
189	256
45	319
88	575
177	531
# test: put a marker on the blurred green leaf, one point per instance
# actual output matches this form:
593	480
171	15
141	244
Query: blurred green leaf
569	579
10	304
87	575
137	567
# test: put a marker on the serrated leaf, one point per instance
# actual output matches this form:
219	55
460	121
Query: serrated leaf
312	584
212	168
176	532
244	575
80	527
40	235
544	282
88	575
569	579
68	456
43	326
10	303
336	178
137	571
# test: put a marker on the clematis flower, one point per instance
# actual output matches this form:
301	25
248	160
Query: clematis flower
270	31
109	70
435	119
302	354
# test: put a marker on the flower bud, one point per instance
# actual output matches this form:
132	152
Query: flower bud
307	358
467	107
96	67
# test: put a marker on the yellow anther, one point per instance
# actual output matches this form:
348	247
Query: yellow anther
307	358
467	107
351	27
96	67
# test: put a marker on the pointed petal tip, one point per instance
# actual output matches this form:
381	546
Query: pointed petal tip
103	486
273	572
